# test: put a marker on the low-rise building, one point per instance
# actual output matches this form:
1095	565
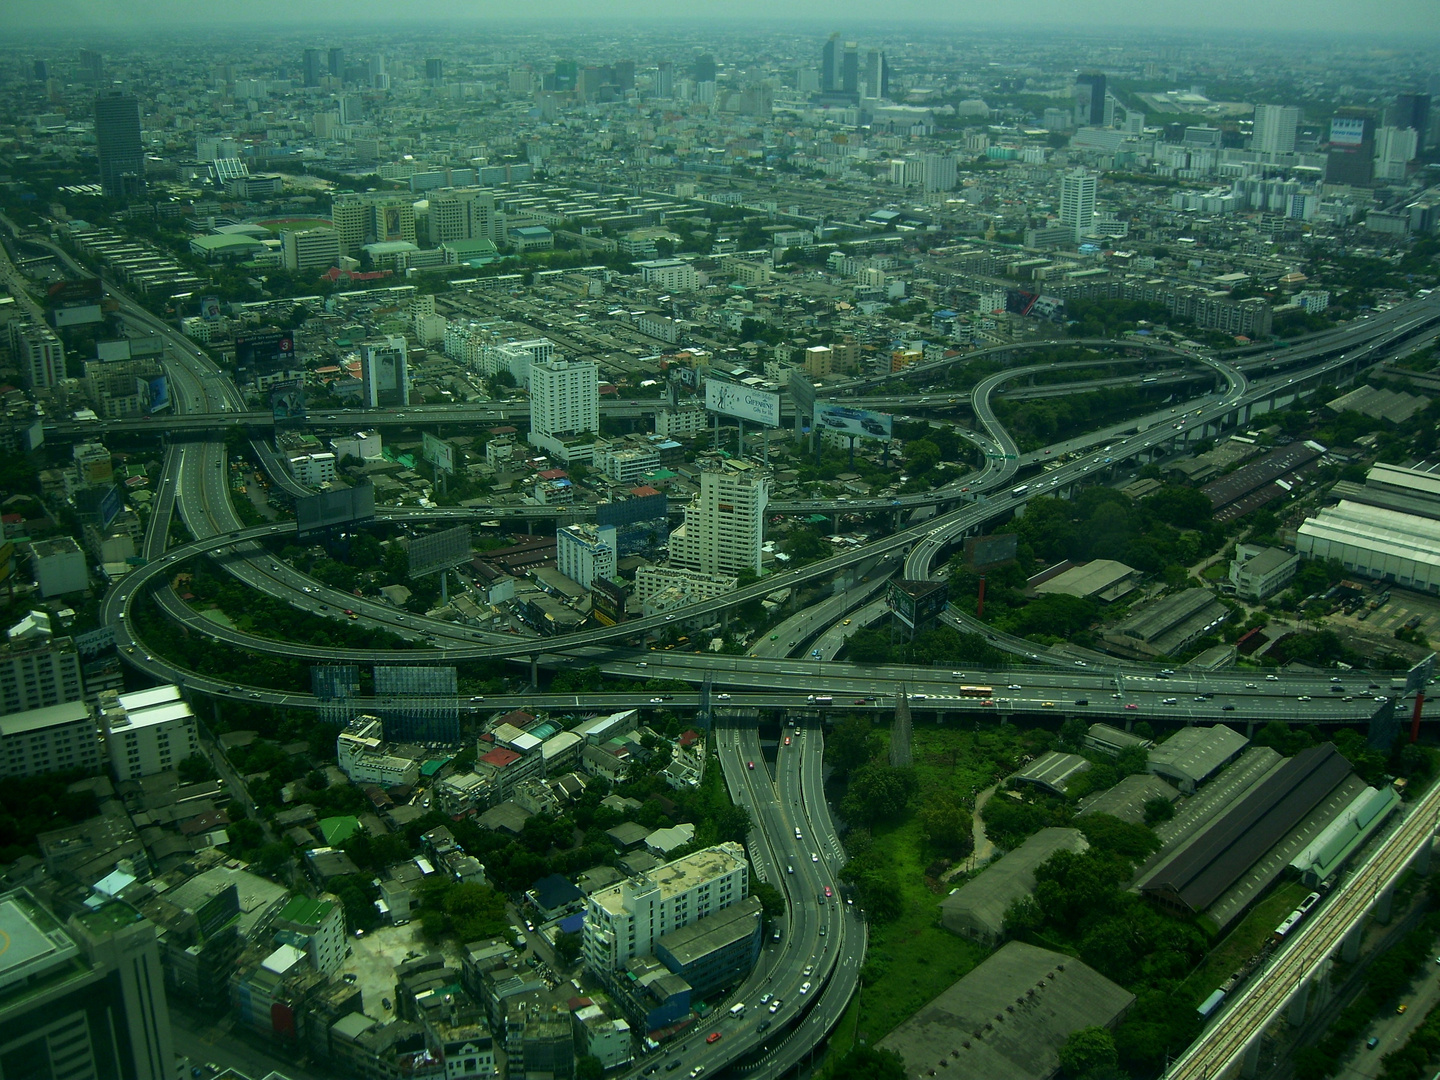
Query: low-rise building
51	739
1260	572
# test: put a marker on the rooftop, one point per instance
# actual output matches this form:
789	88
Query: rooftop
685	873
38	719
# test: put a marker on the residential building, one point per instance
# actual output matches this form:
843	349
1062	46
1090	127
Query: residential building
148	731
1259	572
83	999
316	928
584	552
312	470
365	757
724	525
603	1037
118	145
463	213
55	738
1090	94
1077	201
1413	111
652	582
38	354
59	567
674	275
564	407
1275	129
310	249
627	920
385	373
37	669
368	219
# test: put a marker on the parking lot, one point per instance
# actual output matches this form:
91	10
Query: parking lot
373	958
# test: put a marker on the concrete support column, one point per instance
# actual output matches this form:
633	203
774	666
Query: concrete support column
1422	860
1350	947
1383	905
1250	1064
1299	1003
535	671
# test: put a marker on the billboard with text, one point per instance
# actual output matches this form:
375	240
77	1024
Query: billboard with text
439	453
861	423
743	402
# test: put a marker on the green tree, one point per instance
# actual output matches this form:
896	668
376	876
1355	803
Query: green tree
1158	809
589	1067
567	947
1089	1054
195	769
868	1063
878	793
772	900
850	745
946	825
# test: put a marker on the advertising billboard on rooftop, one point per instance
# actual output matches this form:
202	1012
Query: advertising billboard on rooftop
742	402
331	509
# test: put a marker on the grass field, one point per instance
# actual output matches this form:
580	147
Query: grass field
1244	941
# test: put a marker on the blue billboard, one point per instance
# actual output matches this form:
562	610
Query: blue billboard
159	394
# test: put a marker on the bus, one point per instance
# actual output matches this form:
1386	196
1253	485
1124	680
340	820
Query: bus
975	691
1015	493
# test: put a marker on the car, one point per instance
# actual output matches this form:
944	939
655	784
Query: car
722	697
385	1003
828	893
1199	697
846	622
657	701
789	868
809	970
814	857
1251	686
762	1026
1170	701
1372	1042
1303	697
1082	701
1081	663
765	999
1401	1008
988	701
750	765
774	637
713	1037
1334	678
1047	704
669	618
673	1065
650	1070
1337	689
1131	705
1227	708
805	987
350	976
775	1005
797	833
858	701
642	663
1016	686
1272	678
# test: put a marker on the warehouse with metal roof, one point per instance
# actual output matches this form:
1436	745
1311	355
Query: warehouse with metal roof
1167	626
977	909
1008	1018
1197	874
1327	853
1052	770
1376	542
1194	754
1127	799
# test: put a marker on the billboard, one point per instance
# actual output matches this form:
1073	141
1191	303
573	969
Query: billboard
439	453
287	401
439	551
330	509
334	682
260	352
79	315
106	351
802	393
607	602
210	308
397	680
917	603
1419	676
1024	302
1347	132
110	506
68	293
629	511
861	423
159	394
743	402
983	551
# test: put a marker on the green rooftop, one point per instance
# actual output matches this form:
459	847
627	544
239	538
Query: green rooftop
306	912
109	917
337	830
431	767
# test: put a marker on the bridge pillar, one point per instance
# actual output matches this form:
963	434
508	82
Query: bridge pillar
1250	1064
1422	860
1384	904
1249	729
1299	1004
534	671
1350	945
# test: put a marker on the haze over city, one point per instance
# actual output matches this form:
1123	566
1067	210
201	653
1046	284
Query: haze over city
628	540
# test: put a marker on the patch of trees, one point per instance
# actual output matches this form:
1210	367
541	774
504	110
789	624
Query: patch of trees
30	805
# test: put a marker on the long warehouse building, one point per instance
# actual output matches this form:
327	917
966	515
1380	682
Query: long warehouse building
1201	872
1376	542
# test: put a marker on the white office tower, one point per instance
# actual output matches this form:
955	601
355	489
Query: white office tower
466	213
937	172
626	920
384	372
1275	128
565	407
1394	149
38	354
1077	201
724	525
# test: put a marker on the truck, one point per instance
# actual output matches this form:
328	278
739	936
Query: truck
821	699
737	1010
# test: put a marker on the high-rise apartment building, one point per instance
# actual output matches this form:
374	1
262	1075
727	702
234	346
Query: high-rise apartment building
1090	100
434	70
584	552
626	920
38	354
92	67
385	373
830	65
38	670
81	1000
1077	201
148	731
57	738
938	172
336	62
1275	129
665	80
466	213
118	145
310	249
1413	111
564	403
310	67
724	526
705	69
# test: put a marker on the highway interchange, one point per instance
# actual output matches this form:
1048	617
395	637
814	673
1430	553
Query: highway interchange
824	935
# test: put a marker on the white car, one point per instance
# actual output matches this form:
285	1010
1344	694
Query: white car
805	988
814	857
722	697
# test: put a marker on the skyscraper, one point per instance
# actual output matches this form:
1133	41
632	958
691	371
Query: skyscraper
665	80
724	527
850	68
337	63
310	67
1077	201
830	65
1090	100
877	75
434	70
85	999
92	67
1275	128
385	373
1350	155
564	401
705	69
1413	111
118	145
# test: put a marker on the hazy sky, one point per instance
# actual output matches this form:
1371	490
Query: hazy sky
1406	18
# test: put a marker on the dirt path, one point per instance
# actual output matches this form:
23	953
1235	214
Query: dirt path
984	849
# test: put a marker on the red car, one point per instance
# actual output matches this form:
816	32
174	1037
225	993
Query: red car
1131	705
828	893
750	764
787	740
714	1036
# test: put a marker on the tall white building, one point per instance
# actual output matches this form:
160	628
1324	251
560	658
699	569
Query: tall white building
1394	149
564	403
385	373
56	738
1077	201
38	669
626	920
937	172
148	731
310	249
584	552
1275	128
724	525
38	354
466	213
516	358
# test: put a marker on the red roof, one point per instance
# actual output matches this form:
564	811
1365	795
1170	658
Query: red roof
519	718
554	474
500	757
687	738
644	489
